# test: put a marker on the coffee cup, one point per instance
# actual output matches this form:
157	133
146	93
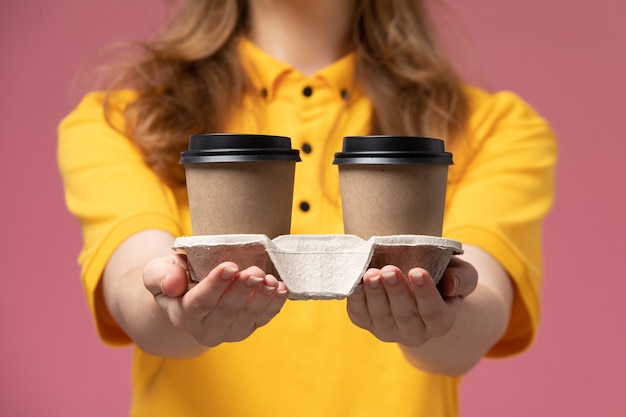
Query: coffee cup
240	183
392	185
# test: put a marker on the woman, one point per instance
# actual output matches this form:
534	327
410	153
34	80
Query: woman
316	72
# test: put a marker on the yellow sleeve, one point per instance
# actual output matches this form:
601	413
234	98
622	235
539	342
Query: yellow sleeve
500	190
113	193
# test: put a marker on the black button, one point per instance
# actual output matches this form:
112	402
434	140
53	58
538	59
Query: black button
306	148
304	206
307	91
264	92
345	94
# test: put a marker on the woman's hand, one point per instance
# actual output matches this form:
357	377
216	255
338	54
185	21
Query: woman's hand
147	291
227	305
410	310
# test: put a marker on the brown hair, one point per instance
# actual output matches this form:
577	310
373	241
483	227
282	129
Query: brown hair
413	88
190	80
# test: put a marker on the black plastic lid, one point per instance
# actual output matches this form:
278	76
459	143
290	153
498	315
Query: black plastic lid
392	150
228	147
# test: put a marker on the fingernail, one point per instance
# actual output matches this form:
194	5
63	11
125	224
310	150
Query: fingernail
374	282
267	290
228	273
417	278
390	278
254	281
457	283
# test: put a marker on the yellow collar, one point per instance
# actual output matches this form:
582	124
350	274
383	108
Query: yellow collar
266	72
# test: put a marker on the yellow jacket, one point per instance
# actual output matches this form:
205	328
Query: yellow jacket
311	360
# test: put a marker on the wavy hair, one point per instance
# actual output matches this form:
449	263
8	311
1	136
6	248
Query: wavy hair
405	72
190	79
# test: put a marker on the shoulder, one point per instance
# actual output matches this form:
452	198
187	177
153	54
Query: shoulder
504	118
94	104
89	132
500	108
98	99
502	131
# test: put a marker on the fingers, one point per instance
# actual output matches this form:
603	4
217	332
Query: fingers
266	301
391	303
384	304
357	307
393	308
228	305
358	310
246	291
206	294
436	314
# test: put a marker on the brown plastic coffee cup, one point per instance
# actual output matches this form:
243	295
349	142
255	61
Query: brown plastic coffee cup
240	183
392	185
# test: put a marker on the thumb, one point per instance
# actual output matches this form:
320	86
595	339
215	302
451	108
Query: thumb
168	275
459	279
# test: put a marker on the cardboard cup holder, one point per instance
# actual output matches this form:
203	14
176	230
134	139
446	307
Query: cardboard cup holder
318	266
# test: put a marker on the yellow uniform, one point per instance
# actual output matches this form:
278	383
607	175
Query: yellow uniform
310	360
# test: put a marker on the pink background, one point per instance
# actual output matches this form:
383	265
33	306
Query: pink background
565	57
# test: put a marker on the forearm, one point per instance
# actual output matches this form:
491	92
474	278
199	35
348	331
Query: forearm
133	306
481	321
135	310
